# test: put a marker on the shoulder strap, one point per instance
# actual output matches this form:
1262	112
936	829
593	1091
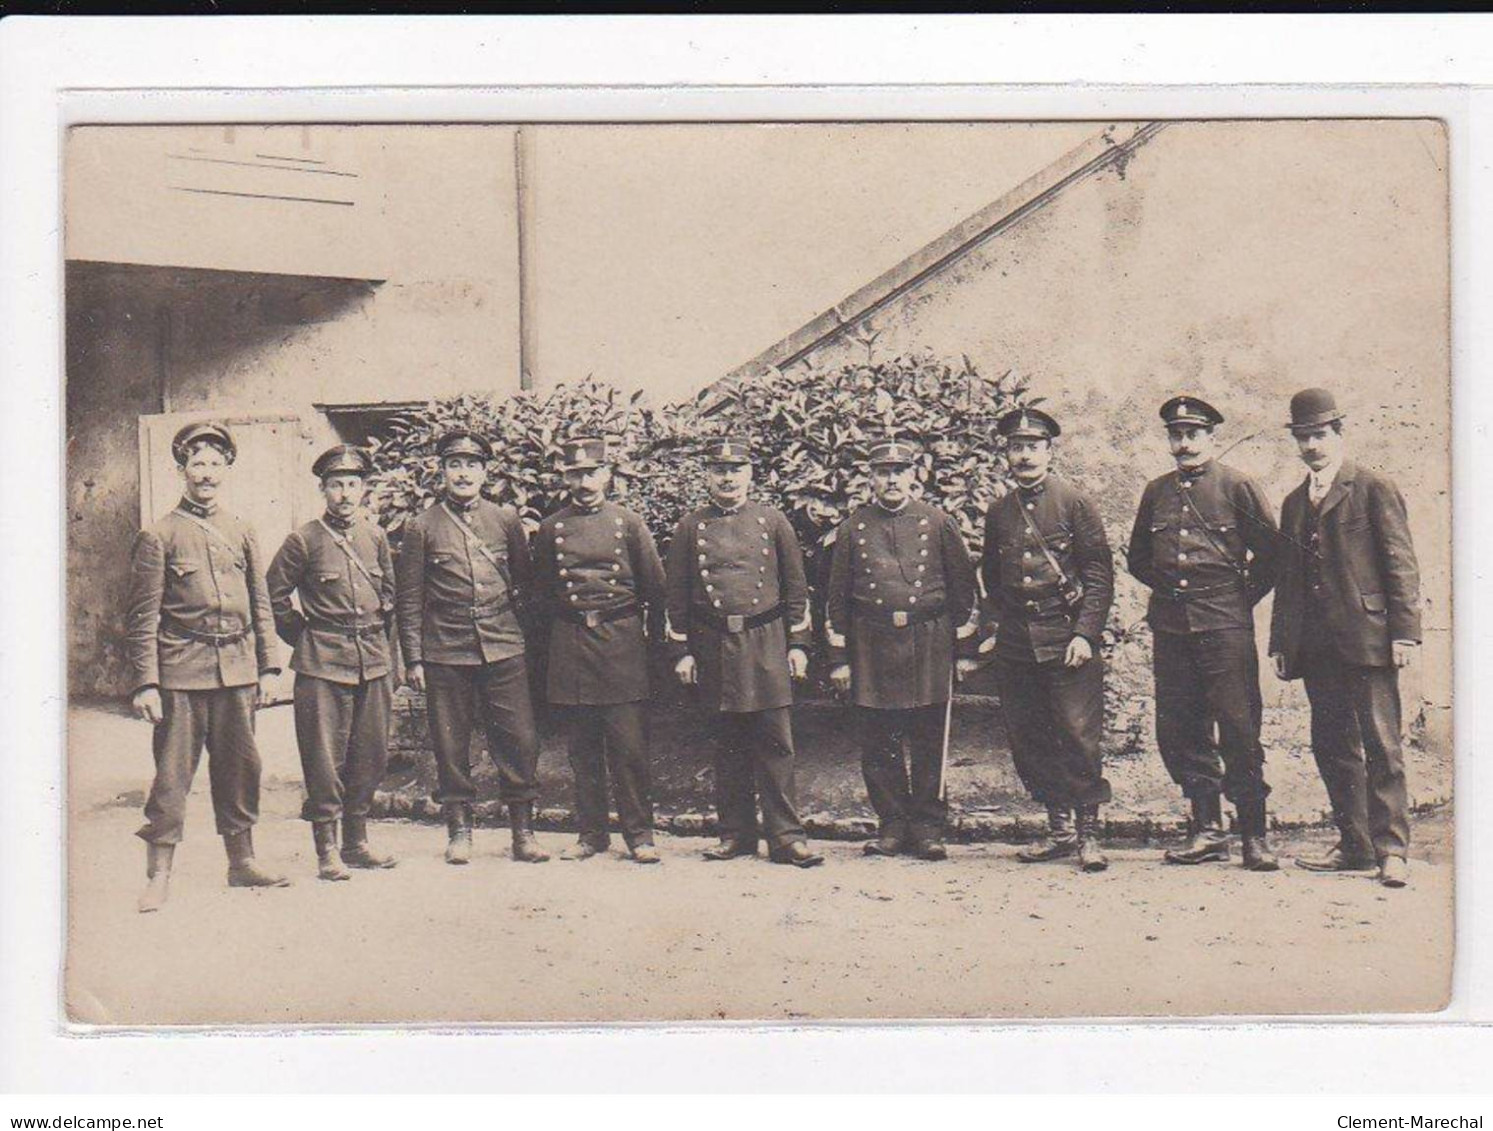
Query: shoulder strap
471	536
212	531
352	555
1026	516
1208	530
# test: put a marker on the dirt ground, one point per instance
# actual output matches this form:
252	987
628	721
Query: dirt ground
980	936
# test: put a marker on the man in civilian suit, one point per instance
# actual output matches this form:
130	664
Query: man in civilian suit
1346	619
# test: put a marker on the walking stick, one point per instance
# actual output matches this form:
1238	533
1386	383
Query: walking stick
948	722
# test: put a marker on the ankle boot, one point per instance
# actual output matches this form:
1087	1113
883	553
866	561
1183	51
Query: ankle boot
458	816
1253	826
525	847
158	872
355	850
328	860
243	872
1091	857
1060	841
1209	841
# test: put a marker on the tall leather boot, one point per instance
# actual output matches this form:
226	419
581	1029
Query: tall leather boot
1209	841
458	816
525	847
1060	841
1091	857
355	850
243	872
328	860
1253	827
158	875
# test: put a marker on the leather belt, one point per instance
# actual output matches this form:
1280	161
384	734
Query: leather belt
352	631
1044	605
592	618
491	609
739	622
899	618
1210	591
217	639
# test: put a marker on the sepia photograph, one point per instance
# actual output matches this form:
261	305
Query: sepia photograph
792	572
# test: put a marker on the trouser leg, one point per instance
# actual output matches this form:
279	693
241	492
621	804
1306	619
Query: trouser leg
1184	724
512	739
176	743
625	730
735	803
368	745
323	726
772	760
928	808
233	766
883	769
1077	698
1336	746
1376	696
450	707
1026	711
1231	671
588	765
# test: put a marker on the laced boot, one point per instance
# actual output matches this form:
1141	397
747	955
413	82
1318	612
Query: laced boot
355	850
458	816
1258	855
526	848
1091	857
243	872
1058	843
328	859
158	874
1209	841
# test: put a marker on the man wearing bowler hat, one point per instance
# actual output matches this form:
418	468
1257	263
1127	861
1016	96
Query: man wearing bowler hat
338	567
599	586
1048	568
738	625
200	644
901	593
1346	619
1206	544
464	574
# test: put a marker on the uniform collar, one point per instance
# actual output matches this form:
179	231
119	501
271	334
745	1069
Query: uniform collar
1194	475
463	508
201	510
338	523
1036	488
724	512
889	510
578	509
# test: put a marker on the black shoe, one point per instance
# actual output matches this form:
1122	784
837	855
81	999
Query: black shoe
1209	842
1337	860
355	850
1091	856
583	850
1258	855
930	849
887	844
797	854
526	848
730	848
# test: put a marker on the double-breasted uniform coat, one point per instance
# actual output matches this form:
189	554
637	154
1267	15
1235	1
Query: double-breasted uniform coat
599	589
199	629
738	599
342	574
901	594
1349	588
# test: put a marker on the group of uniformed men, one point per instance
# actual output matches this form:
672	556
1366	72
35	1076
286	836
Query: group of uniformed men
903	625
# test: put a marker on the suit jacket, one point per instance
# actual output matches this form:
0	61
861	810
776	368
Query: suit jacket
342	582
742	563
888	566
1370	581
463	575
1034	623
1206	545
590	561
198	573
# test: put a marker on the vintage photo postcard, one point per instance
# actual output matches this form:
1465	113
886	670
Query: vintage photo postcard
797	572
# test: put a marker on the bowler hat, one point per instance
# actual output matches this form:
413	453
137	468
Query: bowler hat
1312	408
214	434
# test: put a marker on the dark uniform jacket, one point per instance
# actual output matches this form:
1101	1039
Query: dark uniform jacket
1368	580
901	589
739	564
462	577
195	573
594	562
1035	622
1207	546
345	581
